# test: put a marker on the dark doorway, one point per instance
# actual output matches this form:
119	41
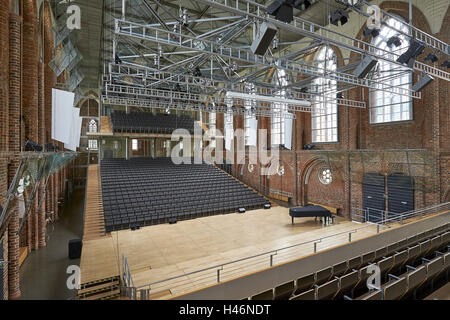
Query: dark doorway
400	194
374	201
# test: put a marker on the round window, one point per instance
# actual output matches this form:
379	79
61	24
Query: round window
325	175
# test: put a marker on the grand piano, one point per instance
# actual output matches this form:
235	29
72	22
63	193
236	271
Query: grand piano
311	211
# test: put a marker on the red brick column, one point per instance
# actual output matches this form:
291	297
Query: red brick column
41	109
4	74
30	97
15	97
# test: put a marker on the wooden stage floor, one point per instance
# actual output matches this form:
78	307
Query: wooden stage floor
163	251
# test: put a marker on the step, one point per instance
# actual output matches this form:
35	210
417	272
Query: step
103	295
99	287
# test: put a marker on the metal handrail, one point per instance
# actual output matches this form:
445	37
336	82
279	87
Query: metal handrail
315	241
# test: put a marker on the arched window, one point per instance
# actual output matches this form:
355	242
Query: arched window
279	110
324	124
386	106
92	126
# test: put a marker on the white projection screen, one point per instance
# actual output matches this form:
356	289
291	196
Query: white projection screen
75	130
253	132
288	133
62	103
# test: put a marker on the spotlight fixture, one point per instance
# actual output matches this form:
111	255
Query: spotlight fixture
415	49
371	32
283	10
197	72
117	60
432	57
394	40
49	147
340	95
309	146
339	15
304	90
32	146
446	64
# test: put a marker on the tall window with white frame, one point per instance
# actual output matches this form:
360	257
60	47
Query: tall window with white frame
250	108
279	110
134	145
386	106
324	124
92	145
212	128
228	128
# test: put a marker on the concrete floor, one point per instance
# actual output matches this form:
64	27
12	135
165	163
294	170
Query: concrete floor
43	274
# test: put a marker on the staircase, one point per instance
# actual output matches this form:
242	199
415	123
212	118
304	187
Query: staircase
103	289
94	221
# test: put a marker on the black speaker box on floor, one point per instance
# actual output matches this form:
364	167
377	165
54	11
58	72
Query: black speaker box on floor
172	220
75	246
135	226
241	210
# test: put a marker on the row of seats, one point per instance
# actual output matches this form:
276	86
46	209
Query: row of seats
146	122
405	266
146	191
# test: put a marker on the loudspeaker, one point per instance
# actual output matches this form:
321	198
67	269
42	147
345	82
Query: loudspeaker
135	226
365	66
267	206
75	246
264	38
423	82
172	220
241	210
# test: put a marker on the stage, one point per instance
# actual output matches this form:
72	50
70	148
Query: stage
160	252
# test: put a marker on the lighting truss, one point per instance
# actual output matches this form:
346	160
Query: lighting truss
142	32
142	72
306	28
262	110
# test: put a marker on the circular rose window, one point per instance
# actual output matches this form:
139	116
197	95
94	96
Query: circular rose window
325	175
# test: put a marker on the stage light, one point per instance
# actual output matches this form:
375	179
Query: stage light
394	41
197	72
431	57
340	95
51	147
415	49
309	147
446	64
283	10
339	15
371	32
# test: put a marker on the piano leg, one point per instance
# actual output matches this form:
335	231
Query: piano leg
292	220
